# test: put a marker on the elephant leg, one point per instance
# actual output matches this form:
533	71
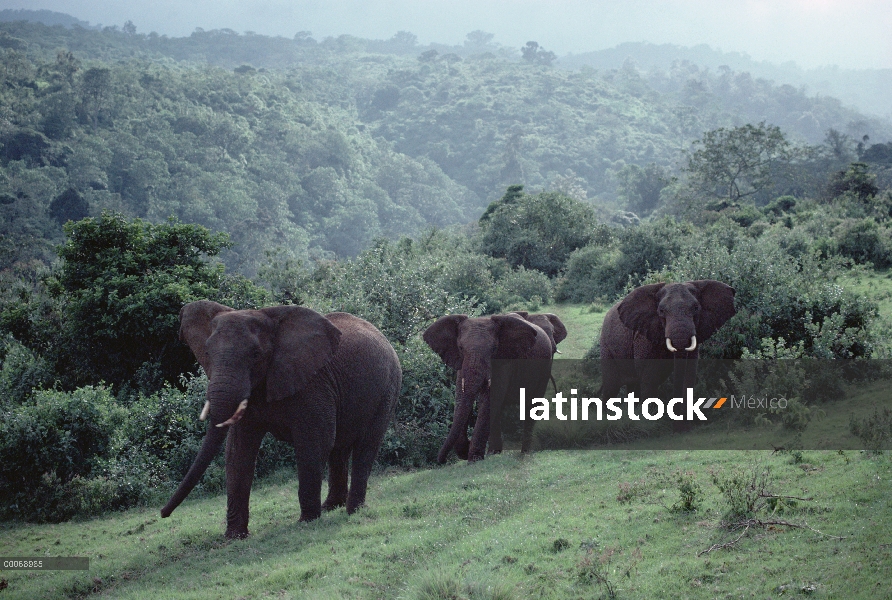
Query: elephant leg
309	456
477	450
337	479
242	446
364	454
462	444
526	441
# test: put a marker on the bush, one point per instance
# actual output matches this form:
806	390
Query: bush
21	372
621	259
864	241
49	441
778	296
538	232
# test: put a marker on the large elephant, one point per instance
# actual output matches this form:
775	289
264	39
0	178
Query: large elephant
326	384
469	345
661	321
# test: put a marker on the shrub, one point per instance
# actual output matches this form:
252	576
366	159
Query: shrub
49	441
538	232
778	296
864	241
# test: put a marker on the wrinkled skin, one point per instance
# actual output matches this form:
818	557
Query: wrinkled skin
326	384
639	330
469	345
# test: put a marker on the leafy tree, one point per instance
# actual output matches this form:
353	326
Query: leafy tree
857	180
121	285
641	187
536	55
736	163
538	231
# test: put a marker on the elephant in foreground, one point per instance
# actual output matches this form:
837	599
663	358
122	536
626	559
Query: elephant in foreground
326	384
469	345
656	330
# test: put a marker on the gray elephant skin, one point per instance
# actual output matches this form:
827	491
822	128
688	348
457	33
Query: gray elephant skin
470	345
325	384
657	330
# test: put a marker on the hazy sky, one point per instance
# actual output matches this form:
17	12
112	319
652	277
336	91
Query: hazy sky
849	33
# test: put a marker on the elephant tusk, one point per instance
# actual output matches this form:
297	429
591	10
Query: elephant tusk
670	346
205	410
237	415
556	351
693	345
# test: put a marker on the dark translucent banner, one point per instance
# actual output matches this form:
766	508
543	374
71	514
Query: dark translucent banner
44	563
689	404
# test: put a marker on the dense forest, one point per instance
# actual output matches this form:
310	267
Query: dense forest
396	182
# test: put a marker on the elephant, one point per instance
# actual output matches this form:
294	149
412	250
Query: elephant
469	345
550	323
656	330
326	384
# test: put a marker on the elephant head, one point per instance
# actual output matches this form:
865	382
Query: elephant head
550	324
250	356
469	345
678	316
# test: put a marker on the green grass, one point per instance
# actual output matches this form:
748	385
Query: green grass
559	524
583	323
876	285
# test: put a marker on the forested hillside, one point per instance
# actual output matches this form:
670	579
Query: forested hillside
315	148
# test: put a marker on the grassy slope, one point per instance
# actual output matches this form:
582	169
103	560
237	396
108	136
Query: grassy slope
495	528
550	526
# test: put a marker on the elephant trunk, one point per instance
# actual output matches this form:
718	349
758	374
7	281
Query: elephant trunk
213	440
224	409
474	377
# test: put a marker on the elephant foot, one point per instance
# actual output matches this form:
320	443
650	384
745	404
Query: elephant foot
353	508
461	448
331	505
237	534
306	518
475	457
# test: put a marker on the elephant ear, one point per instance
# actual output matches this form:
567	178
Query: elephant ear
304	342
516	336
560	331
196	328
638	312
716	306
442	337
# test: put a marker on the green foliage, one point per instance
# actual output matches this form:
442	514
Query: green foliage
744	490
875	431
736	163
864	241
121	285
539	231
778	296
690	493
21	371
47	442
620	259
641	187
856	180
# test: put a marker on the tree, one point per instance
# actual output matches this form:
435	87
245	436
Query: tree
736	163
121	285
538	232
536	55
641	187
